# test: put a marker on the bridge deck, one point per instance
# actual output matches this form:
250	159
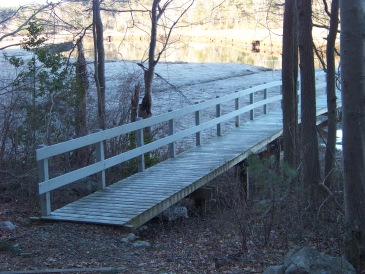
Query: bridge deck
138	198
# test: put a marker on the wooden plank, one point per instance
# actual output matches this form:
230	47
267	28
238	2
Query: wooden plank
97	213
93	217
100	206
83	220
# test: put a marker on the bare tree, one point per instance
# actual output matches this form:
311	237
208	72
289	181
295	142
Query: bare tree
290	78
157	12
309	143
99	62
353	107
331	93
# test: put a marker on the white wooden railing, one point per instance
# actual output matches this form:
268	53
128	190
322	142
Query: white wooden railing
45	153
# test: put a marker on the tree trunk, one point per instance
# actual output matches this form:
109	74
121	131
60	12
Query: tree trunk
82	84
146	106
353	107
290	77
309	143
99	62
134	103
331	95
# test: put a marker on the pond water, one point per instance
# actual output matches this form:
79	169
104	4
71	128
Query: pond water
194	52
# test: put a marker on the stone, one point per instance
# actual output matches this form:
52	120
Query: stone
129	238
306	260
143	228
141	244
8	226
174	213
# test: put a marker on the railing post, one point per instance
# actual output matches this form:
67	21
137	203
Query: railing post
218	114
237	107
172	148
252	111
265	97
140	142
281	92
197	122
100	157
43	174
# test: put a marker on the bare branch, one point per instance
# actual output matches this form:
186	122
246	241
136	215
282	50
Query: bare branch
326	8
26	22
170	30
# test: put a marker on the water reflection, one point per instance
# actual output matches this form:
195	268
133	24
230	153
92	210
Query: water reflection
193	52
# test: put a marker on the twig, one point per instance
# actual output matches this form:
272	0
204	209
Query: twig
331	195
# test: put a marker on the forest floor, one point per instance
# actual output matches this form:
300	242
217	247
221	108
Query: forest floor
231	237
203	243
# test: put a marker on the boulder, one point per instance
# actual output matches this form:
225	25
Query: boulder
8	226
174	213
129	238
305	260
141	244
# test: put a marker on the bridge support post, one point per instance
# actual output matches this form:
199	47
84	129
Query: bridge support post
265	97
201	196
43	175
244	178
100	156
172	148
218	114
140	142
197	122
237	107
252	111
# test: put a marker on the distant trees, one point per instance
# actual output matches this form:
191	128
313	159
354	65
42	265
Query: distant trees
13	22
353	107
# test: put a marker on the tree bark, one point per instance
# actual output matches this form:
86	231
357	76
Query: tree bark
290	78
146	106
82	84
99	63
331	95
134	103
309	143
353	107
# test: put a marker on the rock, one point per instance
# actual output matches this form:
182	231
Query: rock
143	228
305	260
129	238
141	244
174	213
7	226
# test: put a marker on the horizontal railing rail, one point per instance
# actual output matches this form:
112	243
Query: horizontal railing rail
45	153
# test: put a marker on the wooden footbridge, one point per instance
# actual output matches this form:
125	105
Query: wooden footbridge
134	200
